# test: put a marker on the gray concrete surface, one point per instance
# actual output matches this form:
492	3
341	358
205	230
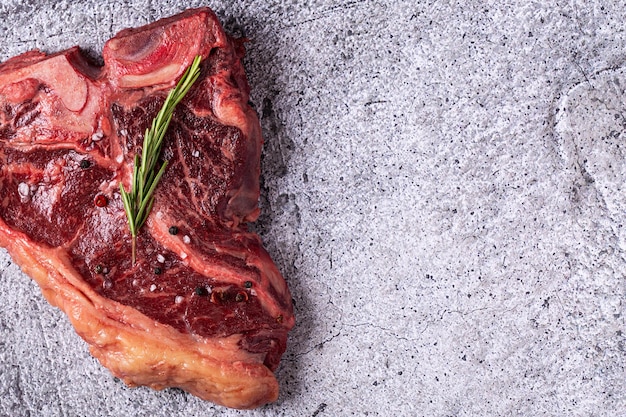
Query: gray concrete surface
443	188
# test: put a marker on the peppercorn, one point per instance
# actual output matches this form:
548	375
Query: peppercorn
84	164
98	269
247	284
201	291
173	230
101	201
157	271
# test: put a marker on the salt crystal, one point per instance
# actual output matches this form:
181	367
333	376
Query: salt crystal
97	136
119	159
196	153
183	255
186	239
123	132
152	287
160	258
159	215
23	189
252	292
179	299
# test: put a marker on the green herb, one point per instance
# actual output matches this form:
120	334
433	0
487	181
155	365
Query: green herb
138	202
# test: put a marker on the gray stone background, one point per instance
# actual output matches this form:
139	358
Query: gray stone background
443	189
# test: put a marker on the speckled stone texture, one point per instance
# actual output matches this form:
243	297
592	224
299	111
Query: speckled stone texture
443	189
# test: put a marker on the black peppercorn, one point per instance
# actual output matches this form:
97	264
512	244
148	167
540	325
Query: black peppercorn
247	284
98	269
201	291
84	164
157	271
173	230
241	296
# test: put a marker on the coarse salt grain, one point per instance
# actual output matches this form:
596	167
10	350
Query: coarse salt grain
160	258
97	136
119	159
152	287
196	153
183	255
23	189
179	299
186	239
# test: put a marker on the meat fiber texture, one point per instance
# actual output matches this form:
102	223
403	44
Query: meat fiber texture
442	187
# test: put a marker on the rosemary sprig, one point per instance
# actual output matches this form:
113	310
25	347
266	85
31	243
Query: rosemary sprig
138	202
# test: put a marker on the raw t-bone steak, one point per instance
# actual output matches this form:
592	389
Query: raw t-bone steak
203	308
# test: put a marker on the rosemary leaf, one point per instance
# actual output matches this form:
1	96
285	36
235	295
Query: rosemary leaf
139	200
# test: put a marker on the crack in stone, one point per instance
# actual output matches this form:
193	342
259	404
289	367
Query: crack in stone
389	331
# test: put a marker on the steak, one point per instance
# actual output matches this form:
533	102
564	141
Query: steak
203	308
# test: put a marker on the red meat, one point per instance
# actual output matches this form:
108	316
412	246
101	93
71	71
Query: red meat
204	308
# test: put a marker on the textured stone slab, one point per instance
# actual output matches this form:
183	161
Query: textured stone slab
447	213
